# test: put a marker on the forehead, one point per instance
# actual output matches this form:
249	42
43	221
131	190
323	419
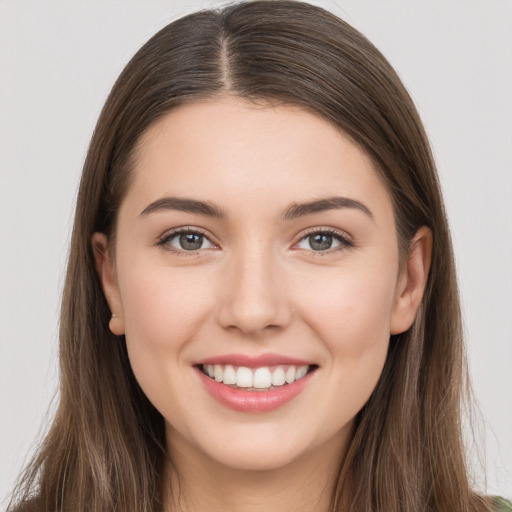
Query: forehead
239	152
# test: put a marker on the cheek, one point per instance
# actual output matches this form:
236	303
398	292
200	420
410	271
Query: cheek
163	309
351	316
163	306
350	310
351	303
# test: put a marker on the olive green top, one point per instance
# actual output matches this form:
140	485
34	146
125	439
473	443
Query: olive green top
503	505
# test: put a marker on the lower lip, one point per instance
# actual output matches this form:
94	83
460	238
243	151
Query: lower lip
253	401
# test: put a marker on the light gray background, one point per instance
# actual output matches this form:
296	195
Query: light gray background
58	60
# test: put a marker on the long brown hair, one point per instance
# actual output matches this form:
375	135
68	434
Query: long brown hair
105	450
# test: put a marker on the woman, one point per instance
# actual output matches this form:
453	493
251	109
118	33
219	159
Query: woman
260	309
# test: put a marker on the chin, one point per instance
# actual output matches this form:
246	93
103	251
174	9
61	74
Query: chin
245	446
247	456
258	447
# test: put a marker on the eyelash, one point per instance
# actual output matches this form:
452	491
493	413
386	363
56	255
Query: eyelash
340	236
344	241
167	237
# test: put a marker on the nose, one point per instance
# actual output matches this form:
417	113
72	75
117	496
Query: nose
254	298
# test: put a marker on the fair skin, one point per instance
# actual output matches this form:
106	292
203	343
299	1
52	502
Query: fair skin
324	287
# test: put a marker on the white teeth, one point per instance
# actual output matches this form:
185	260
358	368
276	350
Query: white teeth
301	372
257	378
278	378
218	373
229	375
244	377
290	375
262	378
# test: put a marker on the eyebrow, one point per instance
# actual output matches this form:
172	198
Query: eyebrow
185	205
293	211
321	205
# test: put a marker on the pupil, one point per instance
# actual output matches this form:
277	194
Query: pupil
320	241
191	242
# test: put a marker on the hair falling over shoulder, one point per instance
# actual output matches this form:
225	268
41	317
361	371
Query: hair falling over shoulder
105	449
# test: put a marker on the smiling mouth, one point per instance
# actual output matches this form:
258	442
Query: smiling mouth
264	378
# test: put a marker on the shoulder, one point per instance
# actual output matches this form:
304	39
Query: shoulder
502	505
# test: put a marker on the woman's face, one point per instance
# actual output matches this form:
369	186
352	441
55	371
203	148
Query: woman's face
255	243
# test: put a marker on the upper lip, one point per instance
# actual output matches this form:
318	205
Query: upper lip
253	361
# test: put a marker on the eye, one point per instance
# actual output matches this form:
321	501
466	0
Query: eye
324	240
186	240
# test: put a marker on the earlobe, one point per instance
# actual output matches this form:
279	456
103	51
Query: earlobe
106	272
412	281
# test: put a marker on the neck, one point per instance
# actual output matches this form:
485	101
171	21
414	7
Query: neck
196	483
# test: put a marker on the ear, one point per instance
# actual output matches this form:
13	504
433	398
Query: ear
106	272
412	281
